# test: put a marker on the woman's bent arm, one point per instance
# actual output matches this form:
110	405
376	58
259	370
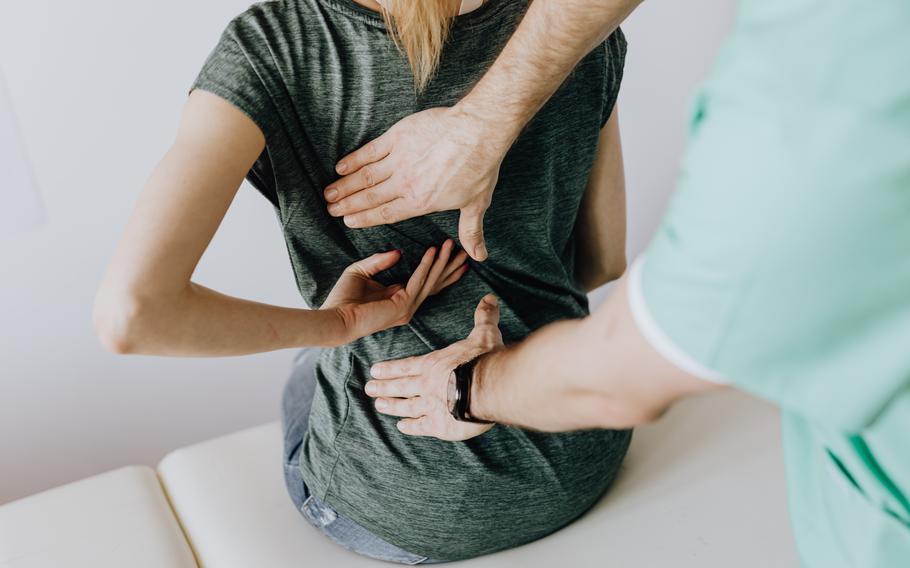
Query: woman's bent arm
147	303
601	226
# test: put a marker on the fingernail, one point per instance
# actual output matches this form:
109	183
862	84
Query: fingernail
333	210
493	301
480	250
331	194
374	372
381	404
369	388
342	167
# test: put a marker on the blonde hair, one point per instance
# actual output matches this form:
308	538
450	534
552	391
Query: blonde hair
420	29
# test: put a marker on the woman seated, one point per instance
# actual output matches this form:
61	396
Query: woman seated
291	87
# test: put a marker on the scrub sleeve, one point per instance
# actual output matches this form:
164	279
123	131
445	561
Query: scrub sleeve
782	265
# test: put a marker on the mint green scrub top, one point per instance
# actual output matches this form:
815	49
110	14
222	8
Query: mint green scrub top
782	265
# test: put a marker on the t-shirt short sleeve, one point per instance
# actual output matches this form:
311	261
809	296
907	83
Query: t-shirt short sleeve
235	72
781	265
615	48
239	70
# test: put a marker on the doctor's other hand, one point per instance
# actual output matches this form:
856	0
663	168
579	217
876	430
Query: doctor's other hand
439	159
417	388
364	306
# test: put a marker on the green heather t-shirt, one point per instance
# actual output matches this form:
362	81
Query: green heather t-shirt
321	78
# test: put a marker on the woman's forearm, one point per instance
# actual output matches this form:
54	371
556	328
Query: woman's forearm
200	322
551	40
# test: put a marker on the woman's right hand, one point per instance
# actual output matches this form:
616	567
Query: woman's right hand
364	306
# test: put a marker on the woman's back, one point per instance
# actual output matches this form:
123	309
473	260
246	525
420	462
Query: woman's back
322	77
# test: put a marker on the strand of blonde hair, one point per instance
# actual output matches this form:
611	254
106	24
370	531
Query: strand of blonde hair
420	29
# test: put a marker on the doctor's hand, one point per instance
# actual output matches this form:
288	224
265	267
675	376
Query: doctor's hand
364	306
436	160
417	388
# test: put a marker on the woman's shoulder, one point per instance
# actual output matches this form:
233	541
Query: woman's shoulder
265	19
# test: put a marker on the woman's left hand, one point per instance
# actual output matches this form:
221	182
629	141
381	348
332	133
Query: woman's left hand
365	306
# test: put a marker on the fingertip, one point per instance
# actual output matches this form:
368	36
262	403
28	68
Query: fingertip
480	252
491	299
383	261
355	222
342	167
375	372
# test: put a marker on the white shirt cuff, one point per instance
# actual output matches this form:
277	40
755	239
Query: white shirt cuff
656	337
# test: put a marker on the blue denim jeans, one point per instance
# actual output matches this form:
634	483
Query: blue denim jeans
296	403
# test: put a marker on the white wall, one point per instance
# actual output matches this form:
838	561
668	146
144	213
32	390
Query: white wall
98	86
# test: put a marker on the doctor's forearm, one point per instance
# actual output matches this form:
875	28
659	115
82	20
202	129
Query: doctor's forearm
553	37
538	384
598	372
551	382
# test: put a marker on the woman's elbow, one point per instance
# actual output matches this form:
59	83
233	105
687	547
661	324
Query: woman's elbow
614	269
607	272
118	320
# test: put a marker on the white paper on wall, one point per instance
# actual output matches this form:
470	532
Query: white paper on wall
20	204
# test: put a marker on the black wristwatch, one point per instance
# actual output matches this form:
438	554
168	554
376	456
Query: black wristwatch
459	395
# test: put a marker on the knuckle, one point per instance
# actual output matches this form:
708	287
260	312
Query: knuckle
488	340
372	198
368	175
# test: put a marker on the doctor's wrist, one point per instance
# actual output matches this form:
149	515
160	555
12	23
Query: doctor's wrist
482	405
491	131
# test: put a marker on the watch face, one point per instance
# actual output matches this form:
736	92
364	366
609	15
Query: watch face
451	392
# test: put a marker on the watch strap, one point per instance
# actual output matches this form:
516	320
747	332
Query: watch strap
464	380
